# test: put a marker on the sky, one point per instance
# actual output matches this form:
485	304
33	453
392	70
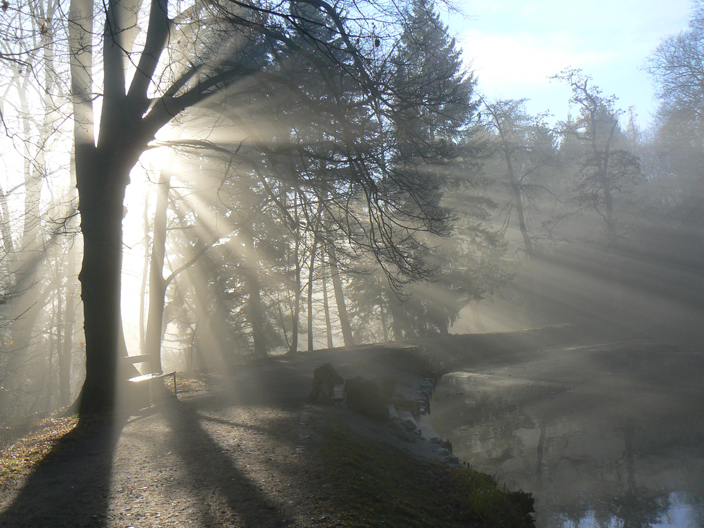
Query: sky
515	45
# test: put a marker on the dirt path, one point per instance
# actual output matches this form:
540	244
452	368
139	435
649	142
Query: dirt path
241	452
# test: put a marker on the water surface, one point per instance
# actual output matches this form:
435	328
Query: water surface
602	435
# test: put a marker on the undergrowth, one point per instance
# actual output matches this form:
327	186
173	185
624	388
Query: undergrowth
27	452
379	486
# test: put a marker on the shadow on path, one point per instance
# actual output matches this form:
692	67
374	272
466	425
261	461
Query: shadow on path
225	494
71	487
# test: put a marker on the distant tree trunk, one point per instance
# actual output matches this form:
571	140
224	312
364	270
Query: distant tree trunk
66	352
311	271
309	304
54	341
476	317
256	313
397	317
28	252
384	330
157	283
340	298
145	272
5	228
296	309
326	307
65	355
518	200
311	274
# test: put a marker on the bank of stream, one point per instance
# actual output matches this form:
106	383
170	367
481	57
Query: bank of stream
244	448
603	433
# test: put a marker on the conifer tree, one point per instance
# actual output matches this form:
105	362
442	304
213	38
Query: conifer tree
433	92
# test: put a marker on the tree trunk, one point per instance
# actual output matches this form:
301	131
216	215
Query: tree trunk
66	352
256	313
157	284
296	308
67	344
54	340
518	199
5	228
102	176
340	298
311	271
296	312
143	288
398	319
384	329
326	307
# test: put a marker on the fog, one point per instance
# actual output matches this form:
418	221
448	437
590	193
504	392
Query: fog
272	183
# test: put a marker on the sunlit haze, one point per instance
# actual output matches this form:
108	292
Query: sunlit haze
515	46
267	256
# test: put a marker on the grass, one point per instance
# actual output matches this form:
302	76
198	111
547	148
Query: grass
375	485
27	452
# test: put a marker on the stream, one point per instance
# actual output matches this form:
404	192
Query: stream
608	435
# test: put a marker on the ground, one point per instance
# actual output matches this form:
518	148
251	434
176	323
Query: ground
237	449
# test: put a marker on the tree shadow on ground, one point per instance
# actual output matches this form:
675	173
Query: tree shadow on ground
72	484
225	494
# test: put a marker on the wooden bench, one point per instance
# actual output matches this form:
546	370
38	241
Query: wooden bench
143	358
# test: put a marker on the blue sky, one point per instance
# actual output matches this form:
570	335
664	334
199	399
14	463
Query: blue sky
514	46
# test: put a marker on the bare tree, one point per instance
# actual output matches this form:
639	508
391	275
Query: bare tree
136	103
527	150
605	169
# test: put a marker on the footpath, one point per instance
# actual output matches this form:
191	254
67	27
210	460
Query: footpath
249	449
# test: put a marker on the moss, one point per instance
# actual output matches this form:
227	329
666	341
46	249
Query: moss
375	485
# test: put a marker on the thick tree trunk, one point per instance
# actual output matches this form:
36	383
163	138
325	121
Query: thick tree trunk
340	299
102	180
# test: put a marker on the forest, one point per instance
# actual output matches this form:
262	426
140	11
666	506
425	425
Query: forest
207	183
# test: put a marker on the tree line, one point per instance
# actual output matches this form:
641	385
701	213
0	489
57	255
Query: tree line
313	170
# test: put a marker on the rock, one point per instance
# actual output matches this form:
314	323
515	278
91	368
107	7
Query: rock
444	443
405	404
364	397
409	425
404	435
449	460
387	386
325	378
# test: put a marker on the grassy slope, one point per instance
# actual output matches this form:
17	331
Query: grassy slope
378	486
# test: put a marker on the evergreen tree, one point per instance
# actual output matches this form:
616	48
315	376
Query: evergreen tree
431	124
432	91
